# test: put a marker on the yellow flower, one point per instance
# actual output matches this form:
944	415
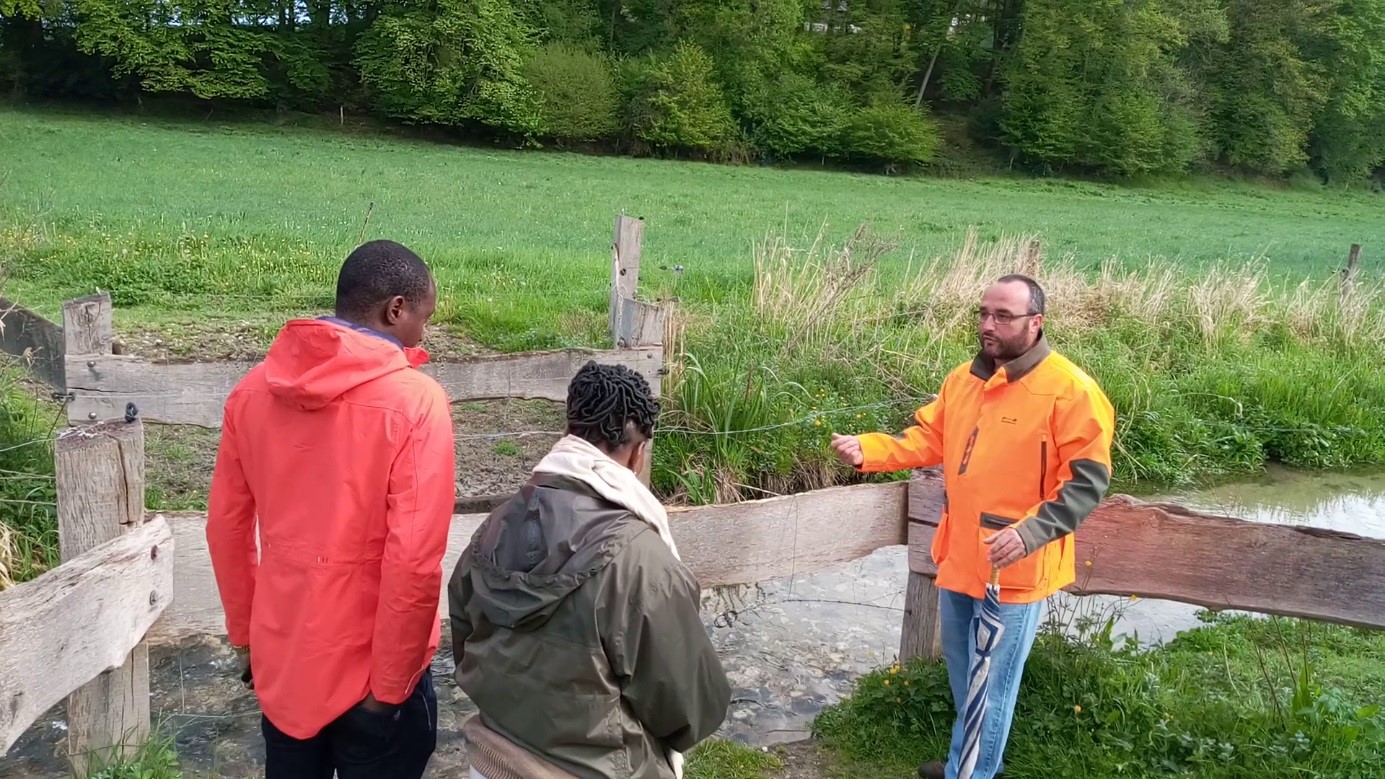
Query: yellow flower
887	682
1076	709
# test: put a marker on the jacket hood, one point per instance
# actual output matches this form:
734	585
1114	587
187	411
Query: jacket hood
312	362
542	545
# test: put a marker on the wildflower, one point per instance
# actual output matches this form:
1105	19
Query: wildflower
887	682
1076	709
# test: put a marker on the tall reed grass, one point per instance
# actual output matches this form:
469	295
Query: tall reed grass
1211	374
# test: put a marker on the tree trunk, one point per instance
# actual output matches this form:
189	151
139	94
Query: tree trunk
927	75
937	50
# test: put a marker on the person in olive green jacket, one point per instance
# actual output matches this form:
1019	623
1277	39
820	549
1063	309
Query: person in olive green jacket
575	626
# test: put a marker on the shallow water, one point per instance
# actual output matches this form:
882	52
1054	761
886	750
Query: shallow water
1350	502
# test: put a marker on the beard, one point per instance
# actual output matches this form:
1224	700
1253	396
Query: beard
1004	349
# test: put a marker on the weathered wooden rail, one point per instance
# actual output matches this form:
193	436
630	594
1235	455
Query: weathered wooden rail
35	341
1152	550
1164	551
79	357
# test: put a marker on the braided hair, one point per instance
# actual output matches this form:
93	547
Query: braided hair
602	399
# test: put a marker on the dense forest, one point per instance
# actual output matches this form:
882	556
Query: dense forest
1109	87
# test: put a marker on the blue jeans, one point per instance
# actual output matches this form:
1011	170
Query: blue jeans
1007	667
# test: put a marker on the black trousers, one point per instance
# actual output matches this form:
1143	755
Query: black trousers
360	744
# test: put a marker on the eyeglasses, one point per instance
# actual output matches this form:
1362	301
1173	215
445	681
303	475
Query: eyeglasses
1000	317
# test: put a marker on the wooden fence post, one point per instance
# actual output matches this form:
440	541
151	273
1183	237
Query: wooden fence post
88	332
625	269
634	324
1349	272
100	486
920	636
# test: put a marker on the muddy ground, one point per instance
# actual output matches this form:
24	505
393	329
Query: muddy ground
498	442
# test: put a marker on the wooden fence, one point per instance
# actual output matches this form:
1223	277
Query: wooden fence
130	578
82	631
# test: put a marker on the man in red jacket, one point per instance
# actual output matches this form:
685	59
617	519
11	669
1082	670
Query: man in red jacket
340	454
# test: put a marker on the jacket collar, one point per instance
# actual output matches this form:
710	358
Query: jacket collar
361	329
984	368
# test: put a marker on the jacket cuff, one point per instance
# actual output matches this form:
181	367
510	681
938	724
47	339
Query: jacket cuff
875	452
1031	533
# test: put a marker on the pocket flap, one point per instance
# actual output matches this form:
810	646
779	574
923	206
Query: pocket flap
996	522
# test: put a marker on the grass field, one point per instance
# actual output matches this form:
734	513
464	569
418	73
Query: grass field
1209	312
187	217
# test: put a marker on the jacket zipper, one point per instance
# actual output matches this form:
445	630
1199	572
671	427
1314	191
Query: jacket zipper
966	453
1043	469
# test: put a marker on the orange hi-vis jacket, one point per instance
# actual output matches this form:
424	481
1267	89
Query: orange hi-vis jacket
340	454
1026	446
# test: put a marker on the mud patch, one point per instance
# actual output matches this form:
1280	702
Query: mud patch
498	443
796	645
220	339
805	760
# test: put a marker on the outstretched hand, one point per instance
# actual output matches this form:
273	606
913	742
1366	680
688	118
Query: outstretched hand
848	449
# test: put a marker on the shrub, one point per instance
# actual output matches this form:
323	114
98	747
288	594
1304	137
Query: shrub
889	133
576	90
799	116
453	64
676	102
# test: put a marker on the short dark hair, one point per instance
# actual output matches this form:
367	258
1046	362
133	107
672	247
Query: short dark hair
601	399
1036	292
377	271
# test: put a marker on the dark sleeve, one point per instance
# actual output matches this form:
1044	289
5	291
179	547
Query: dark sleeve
658	647
458	594
1084	427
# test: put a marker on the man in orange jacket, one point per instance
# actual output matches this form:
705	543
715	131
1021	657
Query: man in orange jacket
340	454
1024	438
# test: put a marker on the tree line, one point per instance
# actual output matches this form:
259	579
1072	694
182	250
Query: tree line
1114	87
